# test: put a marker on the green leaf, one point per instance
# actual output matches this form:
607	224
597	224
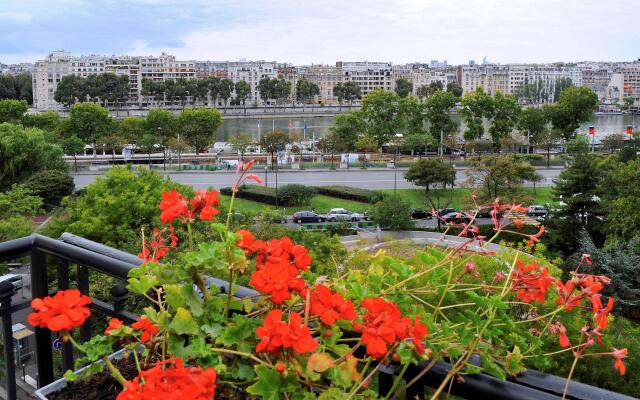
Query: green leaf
183	322
271	384
243	372
513	364
491	368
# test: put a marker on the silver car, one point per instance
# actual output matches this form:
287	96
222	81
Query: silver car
342	214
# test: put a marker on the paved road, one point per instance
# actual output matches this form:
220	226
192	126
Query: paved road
367	179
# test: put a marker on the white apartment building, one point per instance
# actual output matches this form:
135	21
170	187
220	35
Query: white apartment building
15	69
368	75
251	72
218	69
84	66
549	75
46	76
326	77
630	79
126	66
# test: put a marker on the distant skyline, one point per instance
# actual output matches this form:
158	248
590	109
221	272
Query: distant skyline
305	32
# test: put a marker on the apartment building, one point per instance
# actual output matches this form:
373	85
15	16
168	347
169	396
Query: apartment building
129	67
368	75
218	69
46	76
630	79
15	69
251	72
84	66
326	77
493	78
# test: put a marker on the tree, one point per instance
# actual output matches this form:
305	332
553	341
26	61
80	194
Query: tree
499	176
147	144
476	106
48	121
627	102
455	89
547	140
24	152
17	87
73	145
306	90
393	212
422	92
51	186
266	88
533	122
274	141
560	85
365	143
403	87
90	121
243	90
199	125
431	88
281	89
347	91
614	142
437	109
12	110
131	128
225	89
112	143
621	200
241	142
380	110
69	90
429	171
576	106
346	129
579	189
503	116
418	141
164	125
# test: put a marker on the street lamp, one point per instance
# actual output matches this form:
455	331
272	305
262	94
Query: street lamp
395	167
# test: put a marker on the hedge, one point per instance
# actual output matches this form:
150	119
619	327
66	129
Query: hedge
350	193
288	195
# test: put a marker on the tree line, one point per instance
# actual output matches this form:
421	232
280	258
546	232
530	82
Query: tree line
16	87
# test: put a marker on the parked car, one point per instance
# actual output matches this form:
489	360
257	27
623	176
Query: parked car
537	211
456	218
14	279
342	214
419	213
445	211
307	216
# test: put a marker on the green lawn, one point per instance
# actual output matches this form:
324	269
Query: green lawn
455	198
458	197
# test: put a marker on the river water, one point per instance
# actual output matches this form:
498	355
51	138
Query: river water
317	127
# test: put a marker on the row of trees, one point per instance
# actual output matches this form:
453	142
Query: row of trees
274	89
107	88
16	87
404	88
205	91
537	92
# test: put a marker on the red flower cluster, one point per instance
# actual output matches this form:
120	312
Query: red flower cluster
330	306
618	364
175	382
277	334
62	312
384	325
279	262
157	247
531	281
114	323
175	205
147	327
535	238
588	285
600	313
241	175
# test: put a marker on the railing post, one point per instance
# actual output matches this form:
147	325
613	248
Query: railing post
63	284
6	291
83	284
40	288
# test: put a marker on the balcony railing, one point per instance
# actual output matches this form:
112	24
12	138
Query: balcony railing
86	255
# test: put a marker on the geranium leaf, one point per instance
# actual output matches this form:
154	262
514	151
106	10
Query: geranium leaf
183	323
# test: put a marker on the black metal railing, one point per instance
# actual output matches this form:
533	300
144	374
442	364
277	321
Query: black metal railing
88	255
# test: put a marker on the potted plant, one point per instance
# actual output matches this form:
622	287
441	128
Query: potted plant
307	336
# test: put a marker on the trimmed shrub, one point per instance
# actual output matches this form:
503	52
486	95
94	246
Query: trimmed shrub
393	213
295	195
351	193
51	185
260	194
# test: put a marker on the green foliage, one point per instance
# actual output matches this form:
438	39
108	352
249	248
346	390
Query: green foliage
48	121
348	193
576	106
15	227
438	108
306	90
503	116
257	193
162	123
90	121
107	88
17	87
243	90
112	210
241	142
12	110
380	113
348	91
393	213
455	89
20	200
429	171
24	152
499	176
295	195
199	125
403	87
621	199
346	129
476	105
51	186
131	128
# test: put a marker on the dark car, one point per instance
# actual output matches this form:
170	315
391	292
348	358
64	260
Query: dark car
445	211
456	218
419	213
307	216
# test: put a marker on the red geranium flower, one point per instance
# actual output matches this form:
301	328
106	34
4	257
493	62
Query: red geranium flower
531	281
175	206
157	248
62	312
330	306
277	334
147	327
114	323
173	382
203	203
619	355
378	328
536	237
600	313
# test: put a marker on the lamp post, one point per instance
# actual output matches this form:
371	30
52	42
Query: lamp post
395	166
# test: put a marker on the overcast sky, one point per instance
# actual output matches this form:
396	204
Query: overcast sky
310	31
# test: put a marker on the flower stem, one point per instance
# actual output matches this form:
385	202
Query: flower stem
233	197
114	371
190	236
566	386
241	354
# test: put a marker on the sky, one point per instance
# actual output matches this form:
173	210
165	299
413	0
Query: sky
310	31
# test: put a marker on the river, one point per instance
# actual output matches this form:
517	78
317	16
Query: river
317	127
